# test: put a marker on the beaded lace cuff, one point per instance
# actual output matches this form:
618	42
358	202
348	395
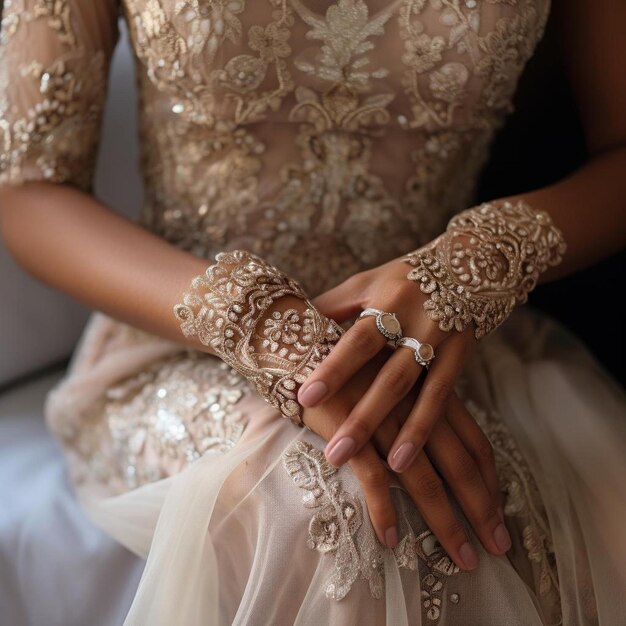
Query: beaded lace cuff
487	261
235	309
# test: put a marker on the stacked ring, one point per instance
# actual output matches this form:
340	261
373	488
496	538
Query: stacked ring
424	353
387	324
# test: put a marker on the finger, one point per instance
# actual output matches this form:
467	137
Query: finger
343	301
355	348
374	479
427	491
431	402
457	466
394	381
476	443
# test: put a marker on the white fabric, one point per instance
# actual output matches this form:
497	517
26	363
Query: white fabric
56	568
226	539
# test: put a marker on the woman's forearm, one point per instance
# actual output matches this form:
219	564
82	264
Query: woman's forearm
589	207
72	242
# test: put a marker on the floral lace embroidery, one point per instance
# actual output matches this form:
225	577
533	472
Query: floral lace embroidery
224	309
344	104
487	262
55	137
523	501
338	527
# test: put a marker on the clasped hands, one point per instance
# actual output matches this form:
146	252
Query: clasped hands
370	402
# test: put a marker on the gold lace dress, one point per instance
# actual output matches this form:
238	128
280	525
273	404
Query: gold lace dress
327	137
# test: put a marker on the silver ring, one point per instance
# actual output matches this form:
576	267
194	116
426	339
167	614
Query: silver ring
424	353
387	323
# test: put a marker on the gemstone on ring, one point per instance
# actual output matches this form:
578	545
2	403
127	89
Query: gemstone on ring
387	323
424	353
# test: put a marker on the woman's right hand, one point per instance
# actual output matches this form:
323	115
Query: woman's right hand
457	452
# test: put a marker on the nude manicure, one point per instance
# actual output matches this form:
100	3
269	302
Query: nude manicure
468	556
341	451
402	457
313	393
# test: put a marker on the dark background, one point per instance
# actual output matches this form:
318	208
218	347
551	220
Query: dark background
542	142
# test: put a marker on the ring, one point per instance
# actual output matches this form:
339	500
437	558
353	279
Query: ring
387	323
424	353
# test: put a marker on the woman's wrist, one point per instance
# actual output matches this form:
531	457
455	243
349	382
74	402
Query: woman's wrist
260	322
486	262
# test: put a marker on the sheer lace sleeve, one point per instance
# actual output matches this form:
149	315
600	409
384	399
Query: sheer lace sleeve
54	59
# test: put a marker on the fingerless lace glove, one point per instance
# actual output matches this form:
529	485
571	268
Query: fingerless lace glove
487	262
237	308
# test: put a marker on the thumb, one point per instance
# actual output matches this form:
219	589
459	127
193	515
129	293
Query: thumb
341	302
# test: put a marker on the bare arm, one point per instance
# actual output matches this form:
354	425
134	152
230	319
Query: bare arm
590	205
72	242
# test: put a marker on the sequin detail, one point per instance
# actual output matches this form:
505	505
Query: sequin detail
487	262
338	527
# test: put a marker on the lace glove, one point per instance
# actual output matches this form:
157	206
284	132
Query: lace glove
487	261
237	308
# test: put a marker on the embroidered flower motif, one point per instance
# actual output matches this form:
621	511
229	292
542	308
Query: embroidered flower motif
448	82
244	73
208	24
282	328
338	527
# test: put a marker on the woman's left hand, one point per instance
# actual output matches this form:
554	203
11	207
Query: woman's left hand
388	289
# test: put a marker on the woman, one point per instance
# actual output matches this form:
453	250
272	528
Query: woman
335	142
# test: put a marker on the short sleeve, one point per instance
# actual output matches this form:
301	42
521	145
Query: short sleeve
54	61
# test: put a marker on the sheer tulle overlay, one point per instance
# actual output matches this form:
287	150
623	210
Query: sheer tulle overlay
266	532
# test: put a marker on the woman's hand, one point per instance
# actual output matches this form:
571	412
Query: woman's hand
457	452
388	289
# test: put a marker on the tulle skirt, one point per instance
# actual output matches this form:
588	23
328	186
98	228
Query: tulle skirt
242	521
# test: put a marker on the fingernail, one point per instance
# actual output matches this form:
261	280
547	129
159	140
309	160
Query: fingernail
341	451
468	556
313	393
391	537
502	538
402	457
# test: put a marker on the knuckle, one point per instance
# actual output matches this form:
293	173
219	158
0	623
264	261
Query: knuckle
330	371
374	476
418	432
484	451
381	510
401	292
360	339
360	428
397	380
452	530
491	513
464	470
439	390
429	487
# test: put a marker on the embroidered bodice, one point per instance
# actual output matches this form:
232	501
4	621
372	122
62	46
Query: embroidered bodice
326	137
